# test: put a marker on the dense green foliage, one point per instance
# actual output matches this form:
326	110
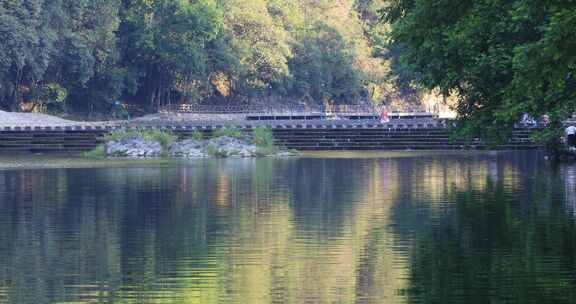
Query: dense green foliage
501	58
85	55
50	49
263	137
197	135
98	152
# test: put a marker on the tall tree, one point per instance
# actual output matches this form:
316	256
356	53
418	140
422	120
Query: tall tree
261	44
23	55
165	44
50	47
323	67
502	58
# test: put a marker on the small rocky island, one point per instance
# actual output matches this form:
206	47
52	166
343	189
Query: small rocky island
226	142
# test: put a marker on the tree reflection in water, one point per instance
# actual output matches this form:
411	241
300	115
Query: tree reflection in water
496	245
388	229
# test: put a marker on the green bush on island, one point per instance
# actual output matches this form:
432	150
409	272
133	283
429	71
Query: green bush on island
212	150
263	137
197	135
98	152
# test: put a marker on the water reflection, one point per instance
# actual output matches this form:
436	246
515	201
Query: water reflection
464	228
512	241
569	175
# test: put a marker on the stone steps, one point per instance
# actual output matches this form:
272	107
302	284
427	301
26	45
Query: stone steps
387	139
389	144
298	137
411	147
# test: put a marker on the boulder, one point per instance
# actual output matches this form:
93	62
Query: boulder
189	148
225	146
133	147
285	154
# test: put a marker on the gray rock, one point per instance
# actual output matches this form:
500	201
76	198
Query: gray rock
285	154
225	146
133	147
220	147
188	148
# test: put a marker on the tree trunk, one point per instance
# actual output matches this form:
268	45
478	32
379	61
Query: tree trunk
16	91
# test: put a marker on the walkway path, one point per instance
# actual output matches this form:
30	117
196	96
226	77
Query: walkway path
34	120
10	119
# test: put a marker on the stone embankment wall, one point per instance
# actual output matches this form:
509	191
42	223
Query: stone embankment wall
293	136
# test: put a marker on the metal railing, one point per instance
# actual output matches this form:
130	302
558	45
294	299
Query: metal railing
211	109
260	109
351	109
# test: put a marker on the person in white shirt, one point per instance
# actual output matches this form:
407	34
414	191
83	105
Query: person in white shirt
570	136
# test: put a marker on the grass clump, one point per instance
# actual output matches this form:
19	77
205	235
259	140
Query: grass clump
98	152
213	151
263	137
230	132
197	135
165	138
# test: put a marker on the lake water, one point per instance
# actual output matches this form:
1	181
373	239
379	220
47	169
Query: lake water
324	228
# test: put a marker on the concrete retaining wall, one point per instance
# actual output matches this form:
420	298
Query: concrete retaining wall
299	137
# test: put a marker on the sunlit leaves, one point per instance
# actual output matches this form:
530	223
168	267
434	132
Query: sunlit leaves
503	58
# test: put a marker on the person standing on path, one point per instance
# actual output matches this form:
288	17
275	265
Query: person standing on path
571	136
384	116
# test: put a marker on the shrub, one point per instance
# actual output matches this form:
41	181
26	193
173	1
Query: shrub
197	135
230	132
263	137
213	150
165	138
98	152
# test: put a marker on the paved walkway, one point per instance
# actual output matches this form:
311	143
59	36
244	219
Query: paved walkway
32	120
9	119
22	119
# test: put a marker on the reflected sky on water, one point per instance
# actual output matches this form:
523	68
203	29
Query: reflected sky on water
400	227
